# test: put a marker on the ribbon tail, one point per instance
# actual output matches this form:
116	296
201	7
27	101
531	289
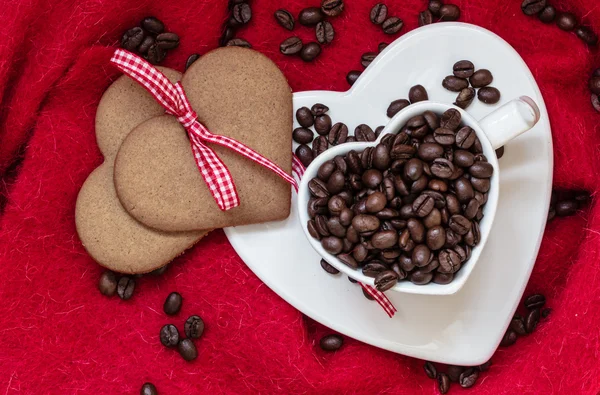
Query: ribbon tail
380	297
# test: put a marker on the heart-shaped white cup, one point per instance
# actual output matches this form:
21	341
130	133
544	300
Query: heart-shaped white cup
495	130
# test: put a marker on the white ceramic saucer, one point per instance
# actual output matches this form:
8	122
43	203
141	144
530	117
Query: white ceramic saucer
464	328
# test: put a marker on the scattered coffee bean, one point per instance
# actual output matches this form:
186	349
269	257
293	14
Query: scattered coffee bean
285	19
291	46
378	13
566	21
449	12
417	93
169	335
510	338
310	16
305	154
228	34
367	58
310	52
156	54
454	372
396	106
468	378
305	117
392	25
352	76
596	102
463	69
322	124
331	342
546	312
338	134
152	25
532	319
500	152
191	59
187	350
548	14
594	85
382	46
324	32
367	295
242	13
532	7
108	283
435	7
319	145
489	95
328	268
566	208
455	84
303	135
132	38
194	327
443	383
485	366
238	42
425	18
319	109
167	40
146	44
332	7
481	78
586	35
173	303
535	301
148	389
517	324
125	287
430	370
465	98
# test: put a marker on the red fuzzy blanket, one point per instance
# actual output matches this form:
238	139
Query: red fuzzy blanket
59	335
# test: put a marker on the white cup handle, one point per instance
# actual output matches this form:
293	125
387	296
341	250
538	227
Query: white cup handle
509	121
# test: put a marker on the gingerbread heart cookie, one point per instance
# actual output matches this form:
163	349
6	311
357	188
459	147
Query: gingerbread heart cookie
238	93
108	233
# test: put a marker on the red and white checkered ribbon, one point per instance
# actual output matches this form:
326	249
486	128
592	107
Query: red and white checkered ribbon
173	99
379	296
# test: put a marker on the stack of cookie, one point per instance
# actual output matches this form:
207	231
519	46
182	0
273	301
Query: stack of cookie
147	203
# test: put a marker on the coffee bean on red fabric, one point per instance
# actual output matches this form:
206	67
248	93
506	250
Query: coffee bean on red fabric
310	16
194	327
132	38
367	58
125	287
324	32
169	335
435	6
392	25
485	366
468	378
228	34
146	44
531	320
417	93
152	25
191	60
443	383
378	13
532	7
566	208
352	76
108	283
517	324
425	18
382	46
291	46
331	342
594	85
328	268
548	14
310	52
430	370
566	21
449	12
510	338
173	303
489	95
332	7
187	350
238	42
167	40
242	13
454	372
148	389
596	102
156	54
285	19
535	301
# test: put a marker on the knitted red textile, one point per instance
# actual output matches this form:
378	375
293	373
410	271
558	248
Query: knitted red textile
59	335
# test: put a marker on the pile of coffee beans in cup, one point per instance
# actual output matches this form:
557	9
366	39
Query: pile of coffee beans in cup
239	15
193	329
317	17
465	79
365	60
408	208
566	21
389	24
438	11
594	85
416	94
150	40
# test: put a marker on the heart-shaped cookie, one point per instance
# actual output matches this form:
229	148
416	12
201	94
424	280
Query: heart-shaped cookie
109	234
238	93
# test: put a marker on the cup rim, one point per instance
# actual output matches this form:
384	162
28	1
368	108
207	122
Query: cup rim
393	126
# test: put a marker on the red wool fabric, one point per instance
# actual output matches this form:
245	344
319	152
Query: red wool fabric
58	335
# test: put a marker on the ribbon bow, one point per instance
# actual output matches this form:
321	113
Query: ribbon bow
172	97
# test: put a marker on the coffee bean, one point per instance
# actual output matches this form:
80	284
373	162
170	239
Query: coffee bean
332	7
331	342
485	366
449	261
108	283
489	95
336	182
546	312
425	18
310	52
365	223
373	269
367	58
517	324
155	54
532	7
594	85
302	135
125	287
532	319
455	84
468	378
238	42
382	46
535	301
596	102
481	78
352	76
364	133
435	6
548	14
310	16
430	370
377	200
430	151
291	46
305	117
450	119
146	44
379	13
443	278
566	208
194	327
417	93
167	40
481	169
500	152
228	34
328	268
463	69
416	230
304	153
436	237
454	372
324	32
242	13
191	60
510	338
465	137
318	109
322	124
392	25
285	19
465	98
367	295
386	280
566	21
442	168
148	389
449	12
152	25
444	136
443	383
479	184
338	134
173	303
187	350
132	38
586	35
353	281
318	188
423	205
335	205
169	335
396	106
332	244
